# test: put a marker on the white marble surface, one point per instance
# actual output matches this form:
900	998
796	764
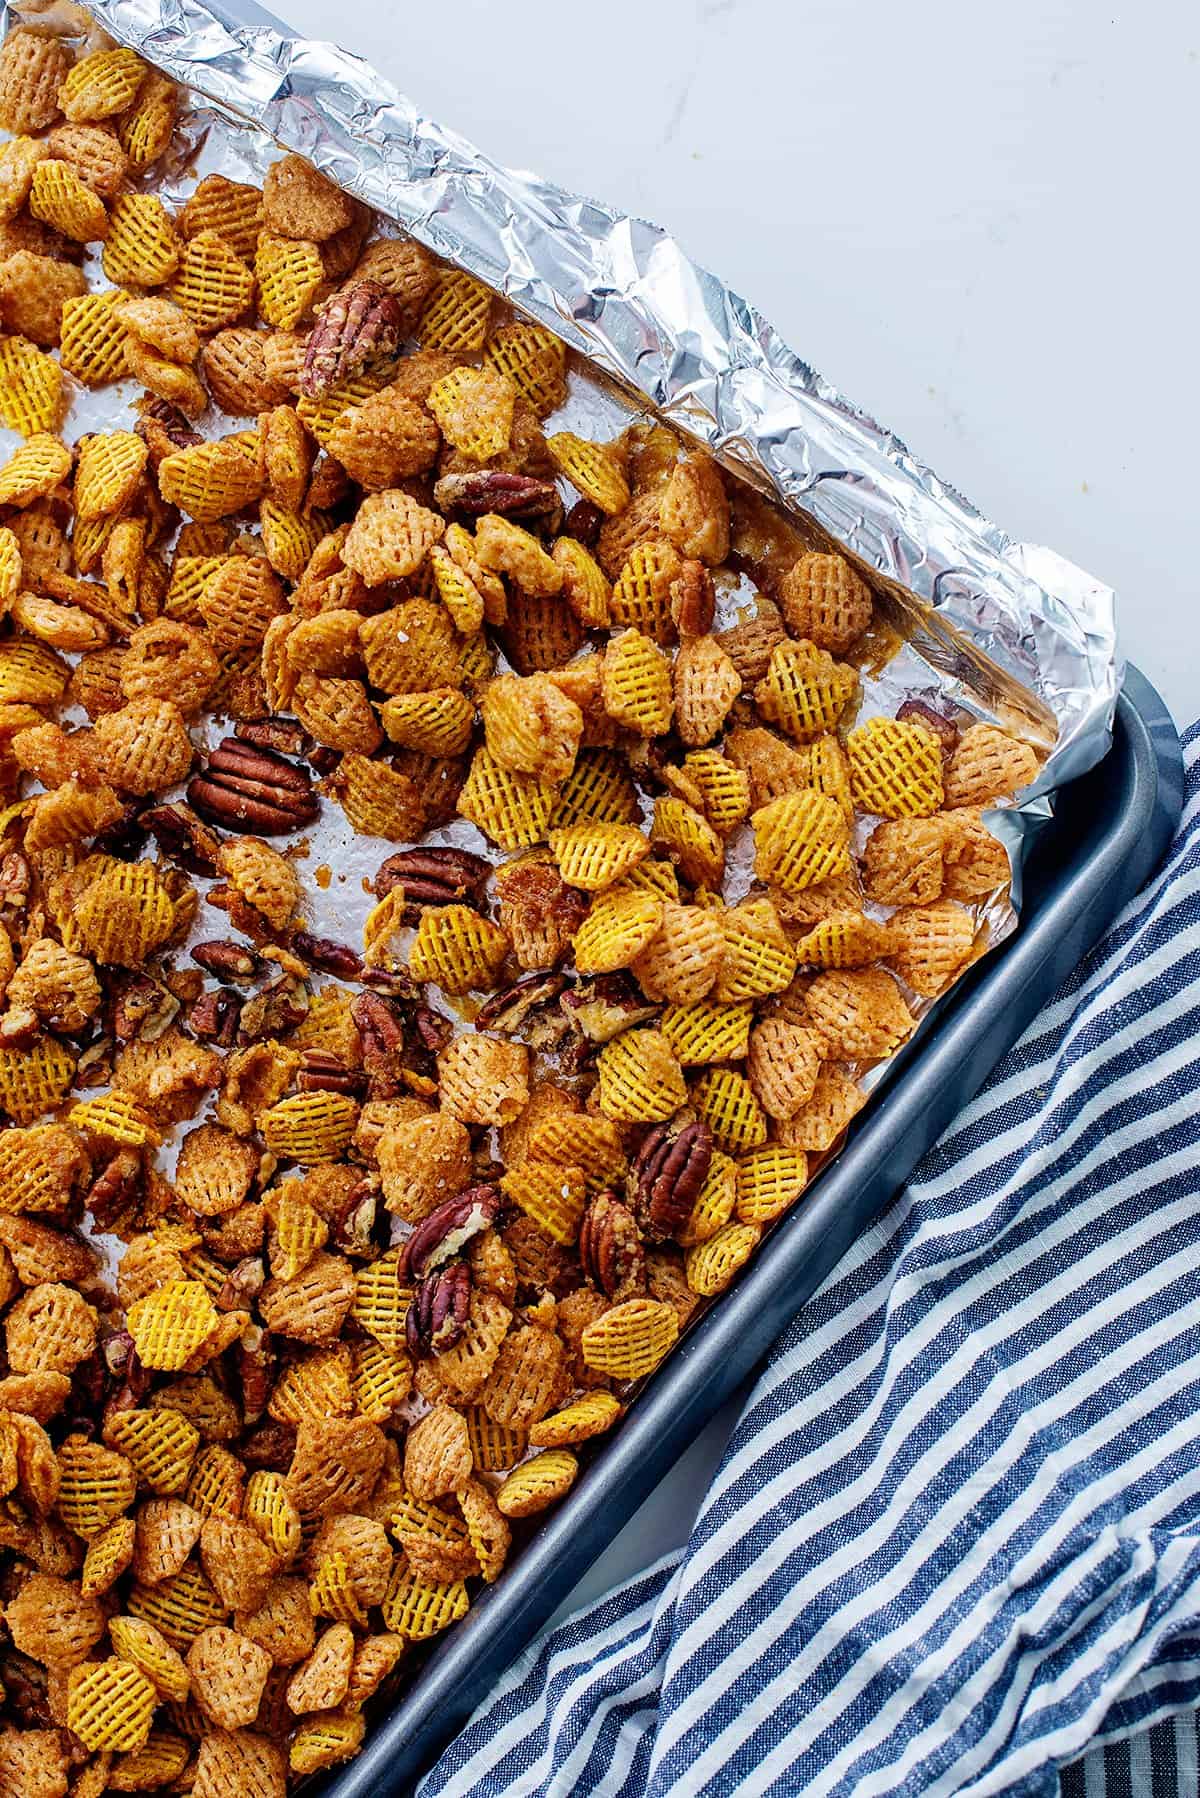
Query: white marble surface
978	221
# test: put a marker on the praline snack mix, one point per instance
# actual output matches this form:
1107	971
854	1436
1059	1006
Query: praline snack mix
460	874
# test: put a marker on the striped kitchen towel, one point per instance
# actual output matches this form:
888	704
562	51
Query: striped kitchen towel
955	1538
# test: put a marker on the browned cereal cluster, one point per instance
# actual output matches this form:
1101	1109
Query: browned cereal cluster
400	1223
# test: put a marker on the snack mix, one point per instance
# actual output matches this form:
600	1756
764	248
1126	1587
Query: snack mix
399	1222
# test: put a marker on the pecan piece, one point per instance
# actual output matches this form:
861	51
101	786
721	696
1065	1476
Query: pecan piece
354	1232
437	1315
280	734
271	1446
116	1190
142	1008
915	711
380	1028
693	600
182	837
243	1284
354	324
245	788
323	953
444	1234
667	1175
15	876
214	1017
513	1008
610	1247
163	428
603	1007
323	1072
583	522
434	876
277	1008
493	490
228	961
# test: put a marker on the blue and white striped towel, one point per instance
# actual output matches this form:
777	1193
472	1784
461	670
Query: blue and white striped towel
955	1538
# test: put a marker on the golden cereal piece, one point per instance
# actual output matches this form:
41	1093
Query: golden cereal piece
929	945
108	471
33	67
31	393
178	386
337	713
158	1763
456	590
902	863
230	1764
97	1486
325	1740
331	417
706	684
804	691
538	1483
458	949
235	368
722	788
681	962
321	1682
380	1382
228	1673
552	1194
212	283
93	339
456	314
161	1445
124	914
784	1063
179	1607
299	201
975	863
107	1558
636	684
141	248
438	722
380	1299
168	660
589	1416
95	152
616	930
895	768
417	1609
800	839
474	407
170	1324
411	648
215	1488
62	199
531	727
534	360
711	1265
145	129
859	1015
144	747
695	510
59	986
316	1388
508	548
310	1127
101	84
595	856
769	1181
706	1031
300	1231
288	271
33	1081
758	959
631	1339
110	1705
725	1100
845	939
380	801
577	1139
270	1511
114	1118
30	473
512	809
289	538
988	764
210	480
825	601
598	790
230	210
263	877
540	635
437	1454
585	586
641	594
594	469
641	1080
495	1447
33	289
390	537
690	840
37	1167
714	1202
401	267
483	1080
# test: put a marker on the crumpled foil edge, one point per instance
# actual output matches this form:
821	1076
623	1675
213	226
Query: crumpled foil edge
623	293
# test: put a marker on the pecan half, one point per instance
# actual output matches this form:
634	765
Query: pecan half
245	788
282	735
437	1315
915	711
117	1189
603	1007
214	1017
182	837
583	522
667	1175
163	428
493	490
610	1247
379	1026
434	876
323	953
228	961
354	324
513	1008
445	1233
323	1072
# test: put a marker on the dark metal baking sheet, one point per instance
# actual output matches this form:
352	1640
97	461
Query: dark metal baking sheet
1112	829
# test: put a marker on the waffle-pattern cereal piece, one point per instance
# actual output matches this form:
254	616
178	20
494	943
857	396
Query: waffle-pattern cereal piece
310	1127
30	473
531	727
706	1031
101	84
552	1193
690	840
107	474
988	764
593	469
529	1377
417	1609
380	437
97	1486
31	388
288	271
641	593
124	914
974	862
538	1483
845	939
270	1511
714	1202
108	1557
456	315
829	772
211	480
228	1673
593	857
300	1231
541	634
438	722
484	1080
712	1265
597	790
474	407
411	648
457	949
800	839
33	67
902	863
390	537
161	1445
115	1118
34	1080
534	360
577	1139
681	962
179	1607
456	590
141	248
92	338
859	1015
145	129
238	602
784	1064
722	788
59	986
725	1100
110	1705
929	945
330	416
212	282
146	1648
380	801
895	768
495	1447
631	1339
170	1324
641	1081
325	1740
437	1454
508	548
769	1180
826	601
512	809
230	210
380	1382
804	691
585	586
62	199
